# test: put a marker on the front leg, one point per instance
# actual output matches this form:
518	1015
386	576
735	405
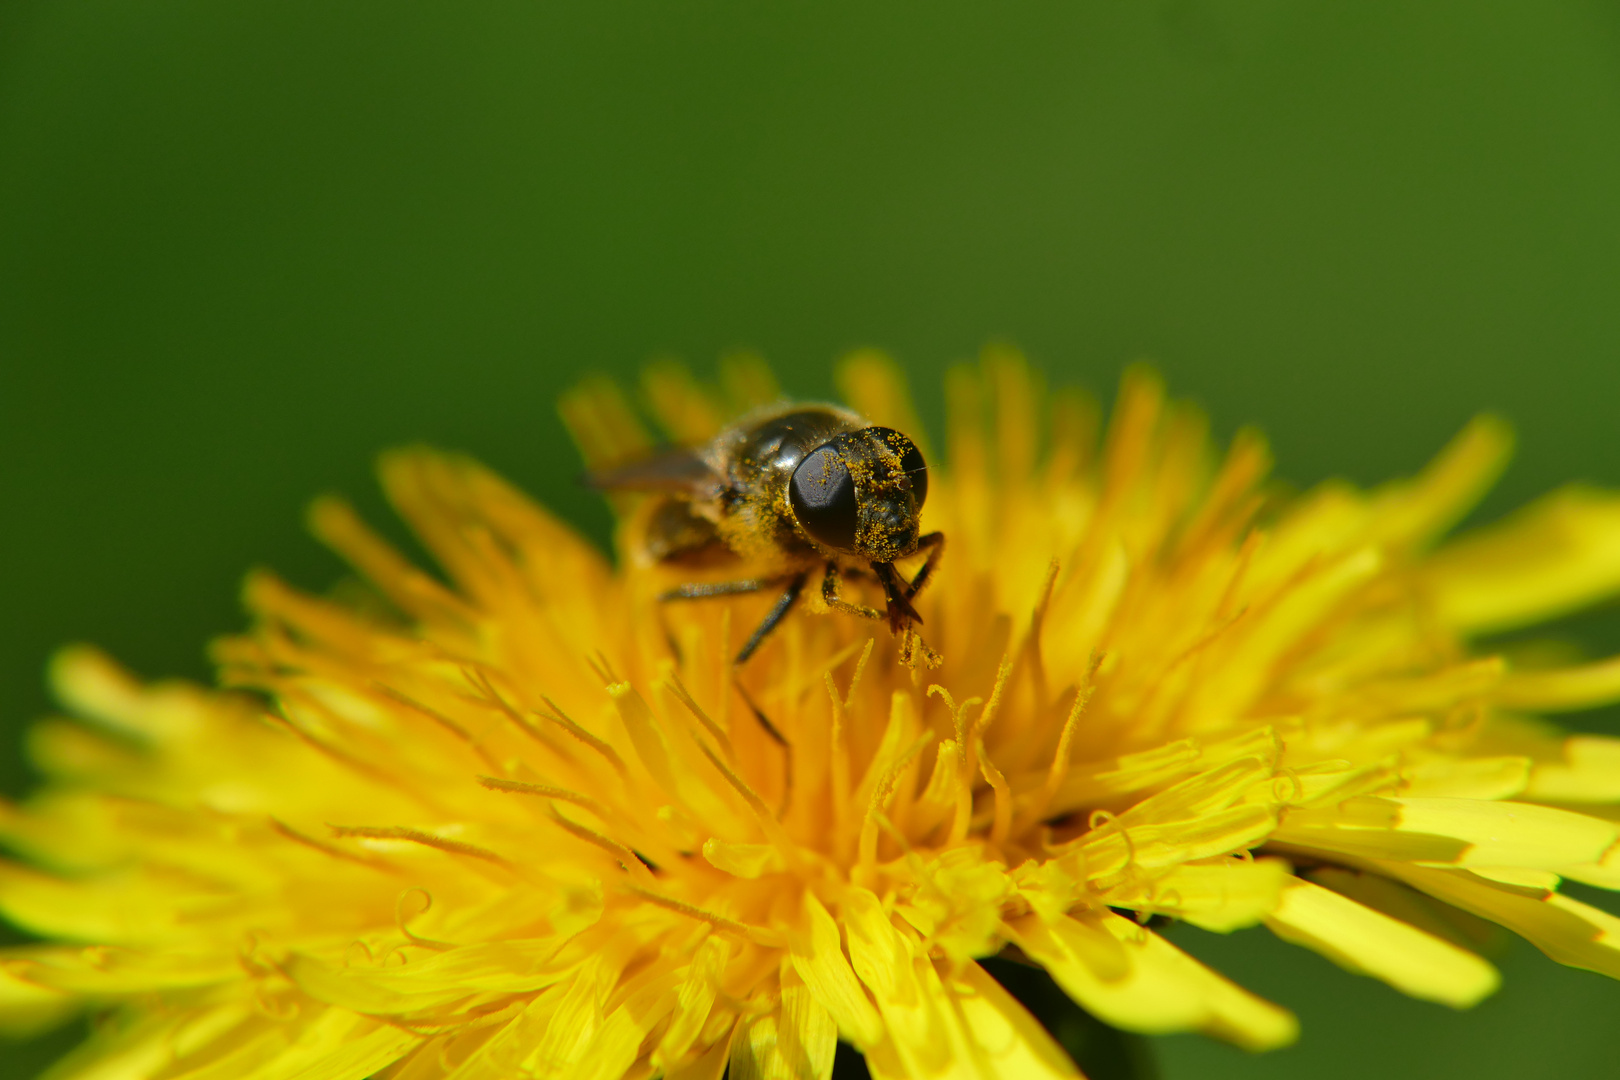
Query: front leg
900	612
830	593
935	542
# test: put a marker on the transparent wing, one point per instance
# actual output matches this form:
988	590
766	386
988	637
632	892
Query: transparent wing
679	470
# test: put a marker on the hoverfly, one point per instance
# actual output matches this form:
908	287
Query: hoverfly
793	489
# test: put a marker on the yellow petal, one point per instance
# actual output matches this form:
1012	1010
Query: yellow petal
1605	873
1157	990
710	1066
603	424
983	1033
339	1046
1581	687
887	962
796	1043
1316	832
743	860
1401	901
1466	832
1196	796
939	1025
1004	1037
1362	940
496	967
617	1042
1469	778
260	1045
1567	930
103	971
696	997
1588	772
875	387
1221	897
687	413
1511	833
1098	783
1556	555
1429	504
502	1054
818	957
748	381
1113	848
27	1008
574	1015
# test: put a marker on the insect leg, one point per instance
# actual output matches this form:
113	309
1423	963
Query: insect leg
778	611
900	612
935	542
703	590
829	593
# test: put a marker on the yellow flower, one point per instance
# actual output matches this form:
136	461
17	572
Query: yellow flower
520	822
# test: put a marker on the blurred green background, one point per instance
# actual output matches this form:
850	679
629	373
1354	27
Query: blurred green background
245	245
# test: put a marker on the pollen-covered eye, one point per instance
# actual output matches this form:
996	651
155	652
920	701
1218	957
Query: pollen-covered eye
916	469
911	460
822	494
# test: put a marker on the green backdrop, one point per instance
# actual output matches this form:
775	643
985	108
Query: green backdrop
245	245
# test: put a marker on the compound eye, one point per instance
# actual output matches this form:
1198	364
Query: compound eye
822	495
911	462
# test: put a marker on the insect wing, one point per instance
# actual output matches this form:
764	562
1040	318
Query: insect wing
676	471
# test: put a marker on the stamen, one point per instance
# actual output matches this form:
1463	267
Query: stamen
627	858
970	741
1002	825
989	714
759	935
333	850
1032	643
1231	500
768	822
881	793
860	667
283	1012
1297	791
480	681
795	688
547	791
603	668
336	525
673	684
402	921
781	741
728	670
560	718
418	836
839	769
416	706
1059	769
1229	607
958	712
348	954
439	718
914	861
277	715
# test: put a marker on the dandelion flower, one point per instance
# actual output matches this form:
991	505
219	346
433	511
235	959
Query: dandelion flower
526	821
